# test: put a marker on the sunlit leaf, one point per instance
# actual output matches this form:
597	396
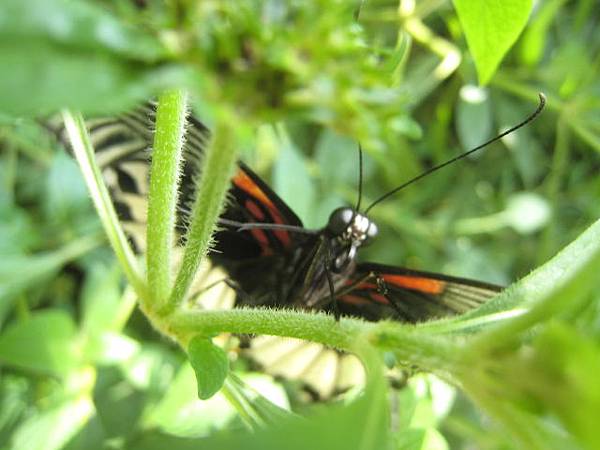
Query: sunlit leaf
491	29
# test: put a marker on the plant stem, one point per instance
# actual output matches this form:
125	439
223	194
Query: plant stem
84	152
167	154
576	269
218	167
318	327
411	345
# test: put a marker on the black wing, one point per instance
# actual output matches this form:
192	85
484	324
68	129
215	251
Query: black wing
122	145
376	291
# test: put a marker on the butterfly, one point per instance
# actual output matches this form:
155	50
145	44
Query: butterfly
265	257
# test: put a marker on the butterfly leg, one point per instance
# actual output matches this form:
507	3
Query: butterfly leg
332	299
241	296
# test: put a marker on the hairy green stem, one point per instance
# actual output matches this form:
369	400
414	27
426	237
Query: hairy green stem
318	327
217	168
84	152
167	154
575	268
407	342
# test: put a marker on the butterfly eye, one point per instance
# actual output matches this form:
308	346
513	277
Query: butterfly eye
339	220
372	231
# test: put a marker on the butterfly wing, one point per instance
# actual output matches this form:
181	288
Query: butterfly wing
252	201
323	372
122	146
376	291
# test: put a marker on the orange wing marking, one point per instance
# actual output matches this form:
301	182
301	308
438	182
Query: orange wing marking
245	183
427	285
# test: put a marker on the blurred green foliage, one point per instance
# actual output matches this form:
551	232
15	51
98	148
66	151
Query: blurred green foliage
81	368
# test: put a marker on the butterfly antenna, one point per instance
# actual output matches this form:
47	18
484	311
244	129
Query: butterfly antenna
360	178
245	226
463	155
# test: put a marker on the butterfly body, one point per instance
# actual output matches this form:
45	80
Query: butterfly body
277	263
287	269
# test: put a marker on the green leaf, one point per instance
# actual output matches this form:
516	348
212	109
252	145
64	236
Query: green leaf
100	300
491	28
210	364
89	60
119	404
66	194
360	425
535	38
180	413
77	24
563	356
90	81
19	272
45	343
18	233
53	428
421	439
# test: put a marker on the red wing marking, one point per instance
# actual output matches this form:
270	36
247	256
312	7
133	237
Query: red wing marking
353	299
263	240
283	236
254	210
379	298
427	285
246	184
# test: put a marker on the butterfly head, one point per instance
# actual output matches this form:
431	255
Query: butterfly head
353	229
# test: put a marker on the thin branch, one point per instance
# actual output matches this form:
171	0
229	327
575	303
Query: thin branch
84	152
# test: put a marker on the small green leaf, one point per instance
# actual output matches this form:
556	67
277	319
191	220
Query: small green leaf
44	343
210	364
491	28
18	233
